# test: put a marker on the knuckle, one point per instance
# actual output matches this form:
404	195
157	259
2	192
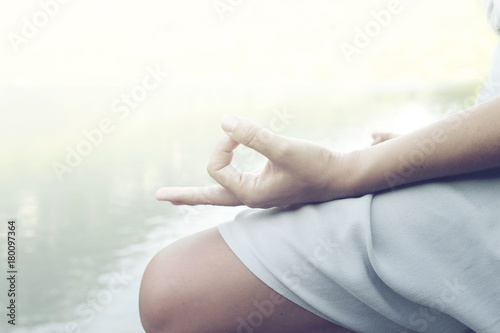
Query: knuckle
222	179
211	168
284	148
214	171
253	198
249	136
248	199
207	196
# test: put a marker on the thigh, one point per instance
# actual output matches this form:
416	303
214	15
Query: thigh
197	284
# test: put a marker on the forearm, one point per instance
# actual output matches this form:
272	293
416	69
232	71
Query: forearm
465	142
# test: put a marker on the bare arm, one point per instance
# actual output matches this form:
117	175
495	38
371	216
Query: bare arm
299	171
464	142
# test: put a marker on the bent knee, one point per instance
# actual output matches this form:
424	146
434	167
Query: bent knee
153	296
162	294
171	285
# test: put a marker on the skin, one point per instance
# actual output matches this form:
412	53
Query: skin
198	285
462	143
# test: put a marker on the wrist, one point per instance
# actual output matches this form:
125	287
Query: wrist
355	173
364	175
380	167
348	175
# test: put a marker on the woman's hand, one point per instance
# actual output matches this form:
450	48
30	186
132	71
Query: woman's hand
297	171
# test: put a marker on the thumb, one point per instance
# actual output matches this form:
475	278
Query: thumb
252	135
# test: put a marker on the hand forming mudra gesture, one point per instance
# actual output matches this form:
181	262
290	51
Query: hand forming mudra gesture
297	171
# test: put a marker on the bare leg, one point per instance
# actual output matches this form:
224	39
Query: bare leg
197	284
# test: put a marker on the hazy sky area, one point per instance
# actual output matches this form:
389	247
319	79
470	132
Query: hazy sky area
109	43
73	69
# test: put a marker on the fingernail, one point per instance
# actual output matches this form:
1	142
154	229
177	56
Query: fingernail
229	123
160	194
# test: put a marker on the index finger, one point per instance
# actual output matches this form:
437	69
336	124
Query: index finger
220	168
209	195
252	135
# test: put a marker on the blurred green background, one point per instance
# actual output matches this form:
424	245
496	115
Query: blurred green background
86	232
